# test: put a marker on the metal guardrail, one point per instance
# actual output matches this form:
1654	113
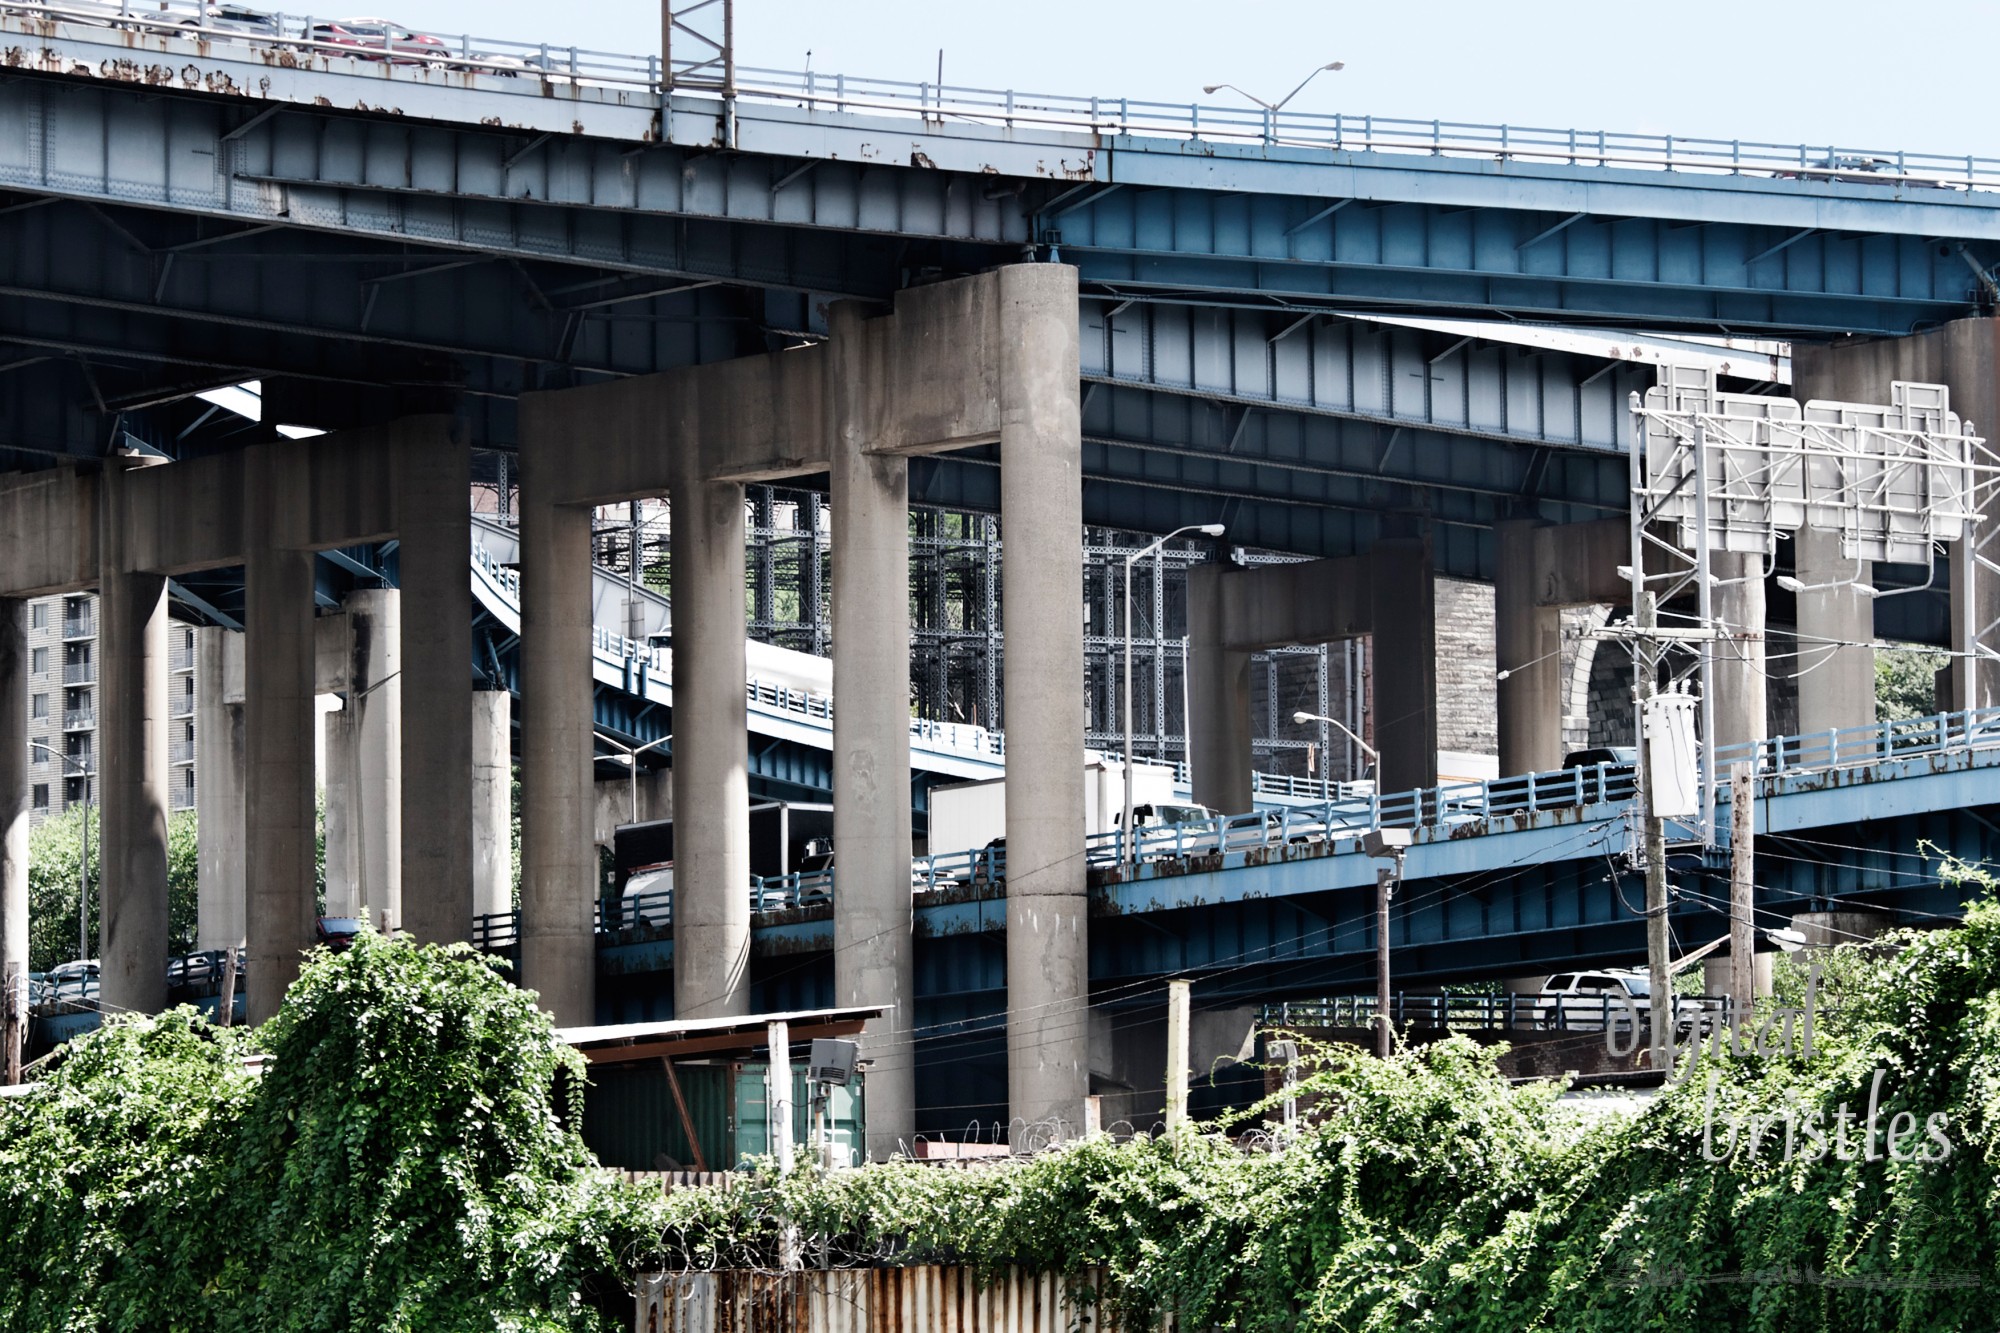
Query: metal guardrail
565	65
1442	807
649	661
1489	1013
79	627
79	673
79	719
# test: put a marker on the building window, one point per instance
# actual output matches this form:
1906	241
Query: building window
40	662
38	616
38	707
41	796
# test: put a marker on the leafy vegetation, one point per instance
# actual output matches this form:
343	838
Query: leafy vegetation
53	851
408	1163
1906	682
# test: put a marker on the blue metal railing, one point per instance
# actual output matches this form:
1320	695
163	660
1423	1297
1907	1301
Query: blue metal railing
1595	1012
1436	808
513	63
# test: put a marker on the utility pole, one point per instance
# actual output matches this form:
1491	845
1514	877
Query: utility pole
1660	1052
1178	995
1381	844
225	1005
14	1026
1742	891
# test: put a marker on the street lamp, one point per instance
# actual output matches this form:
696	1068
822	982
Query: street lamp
1278	105
1374	755
1207	530
631	757
82	852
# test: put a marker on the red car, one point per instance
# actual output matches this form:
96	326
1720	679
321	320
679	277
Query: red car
381	39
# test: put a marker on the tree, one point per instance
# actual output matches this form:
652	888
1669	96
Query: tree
52	865
1905	683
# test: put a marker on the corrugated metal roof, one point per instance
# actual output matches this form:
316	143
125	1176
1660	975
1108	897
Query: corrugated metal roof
746	1032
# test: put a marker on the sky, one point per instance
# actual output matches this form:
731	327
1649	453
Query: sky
1859	75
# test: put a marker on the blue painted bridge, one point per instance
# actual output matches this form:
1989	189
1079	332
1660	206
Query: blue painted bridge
1518	876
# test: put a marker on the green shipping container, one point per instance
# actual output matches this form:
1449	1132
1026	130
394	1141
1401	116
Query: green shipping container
631	1122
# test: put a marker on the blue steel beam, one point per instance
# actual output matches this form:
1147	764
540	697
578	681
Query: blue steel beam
1654	248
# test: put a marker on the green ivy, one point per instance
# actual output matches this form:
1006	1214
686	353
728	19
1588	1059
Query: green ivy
407	1162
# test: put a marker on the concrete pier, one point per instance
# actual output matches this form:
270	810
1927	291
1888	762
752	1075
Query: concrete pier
132	733
559	863
492	803
1041	503
13	787
1528	649
1219	734
278	714
1742	711
433	483
375	683
1404	592
340	836
872	961
711	770
220	757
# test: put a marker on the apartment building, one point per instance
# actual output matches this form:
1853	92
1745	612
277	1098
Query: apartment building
62	706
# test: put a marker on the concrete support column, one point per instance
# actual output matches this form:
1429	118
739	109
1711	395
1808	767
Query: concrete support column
13	789
1963	355
278	715
1829	930
1404	599
559	863
711	765
1835	665
1219	750
492	803
1718	973
220	757
873	959
433	507
1741	687
342	837
132	736
1041	500
374	672
1528	646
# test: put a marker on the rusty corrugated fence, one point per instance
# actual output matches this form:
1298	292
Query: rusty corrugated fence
875	1300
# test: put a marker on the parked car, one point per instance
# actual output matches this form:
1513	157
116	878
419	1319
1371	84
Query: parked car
1593	1001
1588	1000
381	39
337	932
235	19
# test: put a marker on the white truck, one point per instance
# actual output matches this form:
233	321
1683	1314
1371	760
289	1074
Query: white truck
966	816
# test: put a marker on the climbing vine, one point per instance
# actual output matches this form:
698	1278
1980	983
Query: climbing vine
407	1161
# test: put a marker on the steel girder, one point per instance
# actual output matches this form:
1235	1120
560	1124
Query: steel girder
1581	245
1363	369
1415	256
